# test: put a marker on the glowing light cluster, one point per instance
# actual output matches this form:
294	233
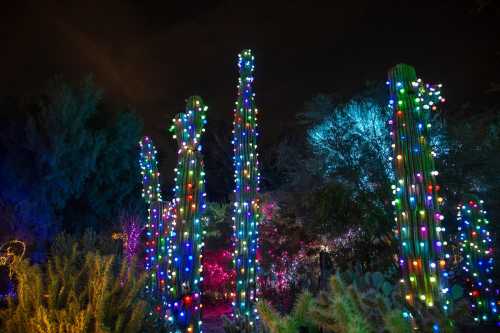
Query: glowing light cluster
246	211
476	250
184	305
422	257
218	276
11	253
130	236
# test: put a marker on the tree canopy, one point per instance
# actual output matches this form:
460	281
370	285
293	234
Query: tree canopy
67	161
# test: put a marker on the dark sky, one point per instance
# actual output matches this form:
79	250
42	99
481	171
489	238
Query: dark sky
153	54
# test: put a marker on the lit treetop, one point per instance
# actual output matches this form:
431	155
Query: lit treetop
246	204
476	249
419	221
189	205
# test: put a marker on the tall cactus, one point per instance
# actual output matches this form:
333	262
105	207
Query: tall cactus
157	226
246	203
422	257
476	250
148	163
189	206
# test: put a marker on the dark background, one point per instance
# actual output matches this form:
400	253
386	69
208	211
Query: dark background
151	55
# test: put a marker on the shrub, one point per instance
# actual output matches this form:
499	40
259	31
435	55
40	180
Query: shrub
76	292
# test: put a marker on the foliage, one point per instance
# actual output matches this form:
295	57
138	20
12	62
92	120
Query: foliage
286	262
346	308
114	185
353	308
131	230
428	319
336	207
76	292
238	325
359	302
66	161
218	226
351	137
338	177
373	283
298	320
471	162
88	241
219	161
295	254
218	276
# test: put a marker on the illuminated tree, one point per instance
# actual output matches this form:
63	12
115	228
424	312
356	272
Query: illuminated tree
157	227
58	170
246	204
419	221
476	250
184	307
347	134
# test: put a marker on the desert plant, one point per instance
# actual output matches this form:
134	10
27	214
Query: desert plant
353	304
87	241
75	293
236	325
369	302
297	321
434	319
339	309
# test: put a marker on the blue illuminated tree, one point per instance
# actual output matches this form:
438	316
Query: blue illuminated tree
349	133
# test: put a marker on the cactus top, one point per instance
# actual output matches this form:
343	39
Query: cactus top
188	126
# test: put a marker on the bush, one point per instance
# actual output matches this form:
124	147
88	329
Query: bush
357	306
76	292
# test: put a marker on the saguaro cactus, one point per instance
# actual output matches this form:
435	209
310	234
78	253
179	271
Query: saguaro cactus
246	203
157	226
422	257
148	163
189	204
476	250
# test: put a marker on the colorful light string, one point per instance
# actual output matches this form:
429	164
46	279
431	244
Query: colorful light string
477	263
422	257
185	253
246	210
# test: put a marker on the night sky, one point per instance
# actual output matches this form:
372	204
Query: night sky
152	55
